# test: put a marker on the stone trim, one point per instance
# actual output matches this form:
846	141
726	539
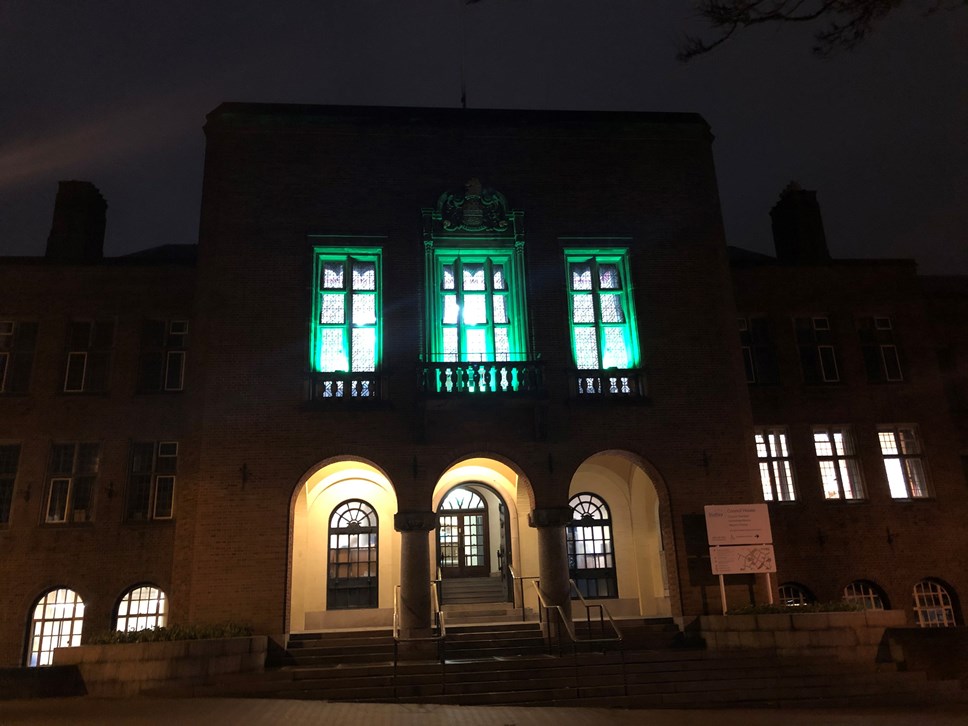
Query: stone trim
415	521
551	517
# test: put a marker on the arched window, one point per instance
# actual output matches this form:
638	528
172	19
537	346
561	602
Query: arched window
865	593
352	580
142	607
933	606
56	623
793	594
591	554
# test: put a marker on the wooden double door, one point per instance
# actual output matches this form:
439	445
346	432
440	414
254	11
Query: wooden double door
462	535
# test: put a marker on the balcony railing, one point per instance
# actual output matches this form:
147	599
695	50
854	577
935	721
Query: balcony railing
611	383
488	377
330	386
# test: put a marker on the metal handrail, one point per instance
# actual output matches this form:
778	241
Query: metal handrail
569	626
515	578
602	611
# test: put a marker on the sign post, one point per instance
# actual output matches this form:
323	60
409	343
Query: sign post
740	542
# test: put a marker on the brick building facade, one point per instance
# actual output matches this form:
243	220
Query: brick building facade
416	338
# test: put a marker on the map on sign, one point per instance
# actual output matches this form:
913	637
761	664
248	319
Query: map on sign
738	524
742	559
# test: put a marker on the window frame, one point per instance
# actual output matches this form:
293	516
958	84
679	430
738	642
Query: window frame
371	589
8	479
154	609
97	345
818	350
844	464
18	340
882	355
346	256
513	293
775	464
758	350
72	479
866	593
906	462
597	576
944	602
37	637
597	257
155	475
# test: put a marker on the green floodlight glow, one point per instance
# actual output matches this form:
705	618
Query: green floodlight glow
476	307
346	332
601	313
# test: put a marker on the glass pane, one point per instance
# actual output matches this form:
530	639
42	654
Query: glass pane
364	349
586	348
473	278
364	276
500	283
475	309
612	309
888	444
821	441
57	505
333	356
502	347
447	283
164	497
332	276
583	309
581	276
616	351
451	310
364	310
450	344
332	310
608	277
766	481
500	309
895	478
476	345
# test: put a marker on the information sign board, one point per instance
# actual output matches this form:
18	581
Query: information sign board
742	559
738	524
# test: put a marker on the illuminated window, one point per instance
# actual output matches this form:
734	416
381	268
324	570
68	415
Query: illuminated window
347	321
353	576
866	594
591	552
776	473
17	341
793	594
141	608
161	366
72	473
881	357
478	307
88	356
759	353
600	310
818	357
9	458
151	480
837	459
901	450
56	623
933	606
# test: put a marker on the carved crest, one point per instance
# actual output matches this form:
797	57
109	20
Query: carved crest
475	209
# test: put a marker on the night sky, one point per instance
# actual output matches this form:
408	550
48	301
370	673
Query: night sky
116	92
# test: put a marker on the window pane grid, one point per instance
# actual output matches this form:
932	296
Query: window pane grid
839	467
601	316
776	472
346	335
901	452
591	559
57	623
932	605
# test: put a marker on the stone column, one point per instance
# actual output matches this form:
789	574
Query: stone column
414	529
553	555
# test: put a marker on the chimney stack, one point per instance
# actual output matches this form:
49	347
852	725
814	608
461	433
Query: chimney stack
798	228
77	231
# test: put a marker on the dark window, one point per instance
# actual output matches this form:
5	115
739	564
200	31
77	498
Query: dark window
9	458
17	342
151	480
72	473
818	357
88	356
353	573
759	353
163	349
881	355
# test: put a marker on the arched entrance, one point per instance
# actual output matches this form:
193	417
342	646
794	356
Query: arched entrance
615	544
482	511
344	552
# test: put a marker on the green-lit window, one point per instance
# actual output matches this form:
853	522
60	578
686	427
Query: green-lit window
600	310
346	312
478	308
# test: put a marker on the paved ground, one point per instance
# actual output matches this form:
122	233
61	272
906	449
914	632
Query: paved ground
217	711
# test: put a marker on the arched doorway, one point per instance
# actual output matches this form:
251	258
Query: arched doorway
463	534
616	549
344	552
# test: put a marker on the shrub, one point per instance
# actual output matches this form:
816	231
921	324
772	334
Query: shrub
835	606
172	632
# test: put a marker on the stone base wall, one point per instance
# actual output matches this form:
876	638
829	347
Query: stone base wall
128	669
849	636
